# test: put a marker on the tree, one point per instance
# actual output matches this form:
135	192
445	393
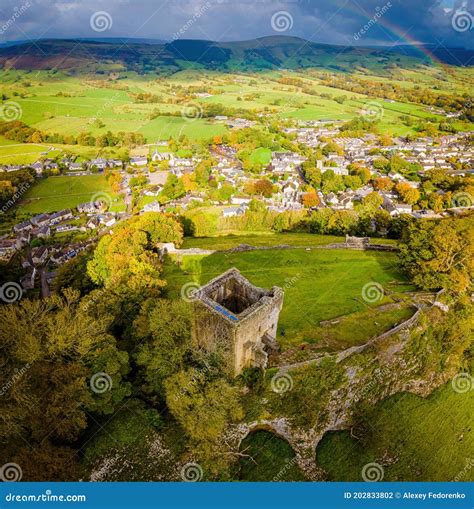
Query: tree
203	406
407	193
383	184
263	187
59	363
163	332
127	261
311	199
438	254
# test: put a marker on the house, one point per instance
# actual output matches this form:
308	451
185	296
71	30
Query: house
90	207
404	208
40	219
234	211
24	226
39	255
151	207
160	156
62	215
139	161
93	223
66	228
239	200
38	167
7	248
332	199
44	232
99	163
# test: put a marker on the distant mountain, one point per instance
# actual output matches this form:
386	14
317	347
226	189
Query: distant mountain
147	56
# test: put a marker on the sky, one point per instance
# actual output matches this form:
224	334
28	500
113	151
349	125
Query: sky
446	23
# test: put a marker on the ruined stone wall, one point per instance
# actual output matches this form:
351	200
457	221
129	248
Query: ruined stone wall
260	321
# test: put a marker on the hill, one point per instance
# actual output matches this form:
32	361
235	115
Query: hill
84	56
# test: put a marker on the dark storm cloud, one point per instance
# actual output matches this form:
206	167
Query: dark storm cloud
345	22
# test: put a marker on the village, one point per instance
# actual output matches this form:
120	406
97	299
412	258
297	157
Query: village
144	180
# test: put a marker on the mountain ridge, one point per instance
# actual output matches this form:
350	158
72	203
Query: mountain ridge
264	53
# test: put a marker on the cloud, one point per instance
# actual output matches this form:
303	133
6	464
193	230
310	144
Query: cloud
329	21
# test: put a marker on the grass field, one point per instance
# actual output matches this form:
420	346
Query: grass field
426	440
57	193
70	105
319	285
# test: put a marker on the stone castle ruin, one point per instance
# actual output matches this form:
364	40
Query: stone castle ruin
237	320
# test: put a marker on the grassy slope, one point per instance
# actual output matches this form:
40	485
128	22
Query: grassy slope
88	99
431	439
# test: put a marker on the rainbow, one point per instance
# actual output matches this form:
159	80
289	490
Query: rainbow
402	37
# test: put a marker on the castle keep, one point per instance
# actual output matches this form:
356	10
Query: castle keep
238	320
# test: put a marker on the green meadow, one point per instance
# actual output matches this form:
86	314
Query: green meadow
319	284
57	193
428	439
